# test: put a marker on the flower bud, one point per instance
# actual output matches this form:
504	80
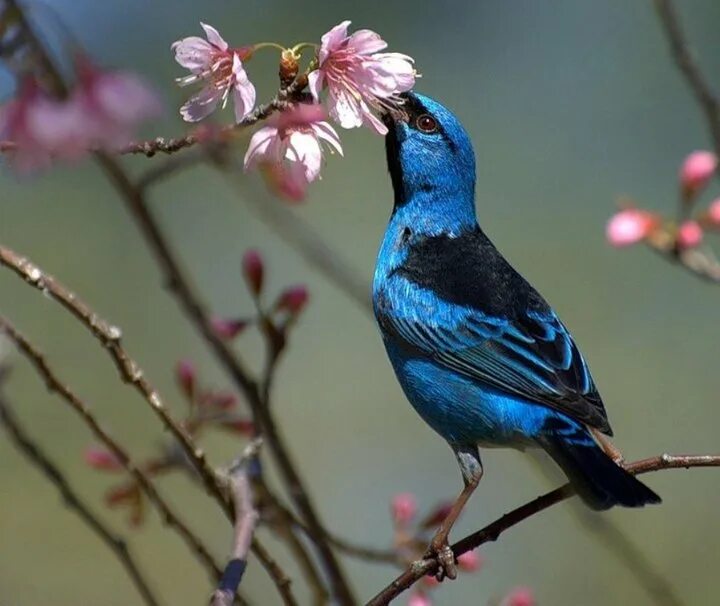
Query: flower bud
630	226
102	459
470	561
695	172
289	66
714	212
185	376
228	328
520	596
254	271
293	299
689	235
403	507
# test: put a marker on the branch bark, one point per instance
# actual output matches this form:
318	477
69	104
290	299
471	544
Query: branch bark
492	531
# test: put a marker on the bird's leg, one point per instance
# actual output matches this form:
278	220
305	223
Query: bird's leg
608	447
472	471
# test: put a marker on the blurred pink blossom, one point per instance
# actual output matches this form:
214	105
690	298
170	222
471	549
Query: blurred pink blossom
470	561
292	143
714	212
358	77
98	457
403	507
253	269
293	299
186	376
228	328
630	226
520	596
697	169
419	598
110	105
221	70
689	235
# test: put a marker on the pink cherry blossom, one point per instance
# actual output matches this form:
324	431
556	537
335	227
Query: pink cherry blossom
359	78
470	561
520	596
221	70
419	598
714	212
102	459
110	105
293	299
228	328
253	269
630	226
41	129
186	375
291	145
697	169
689	235
403	507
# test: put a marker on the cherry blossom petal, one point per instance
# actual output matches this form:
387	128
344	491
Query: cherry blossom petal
244	93
200	106
214	36
332	40
259	146
193	53
316	81
366	42
305	149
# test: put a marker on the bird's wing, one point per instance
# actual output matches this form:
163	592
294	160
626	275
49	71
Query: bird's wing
531	355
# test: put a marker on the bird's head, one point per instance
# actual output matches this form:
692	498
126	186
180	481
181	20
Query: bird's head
429	154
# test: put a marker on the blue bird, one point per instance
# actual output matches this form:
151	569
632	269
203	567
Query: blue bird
479	353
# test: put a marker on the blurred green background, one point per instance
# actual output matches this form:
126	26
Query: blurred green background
569	104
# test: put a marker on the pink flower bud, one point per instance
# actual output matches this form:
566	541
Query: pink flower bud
228	328
689	235
254	271
222	400
630	226
418	598
241	426
185	376
714	212
520	596
430	580
696	171
102	459
470	561
437	515
293	299
403	507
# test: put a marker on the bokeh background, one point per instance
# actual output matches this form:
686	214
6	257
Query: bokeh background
569	103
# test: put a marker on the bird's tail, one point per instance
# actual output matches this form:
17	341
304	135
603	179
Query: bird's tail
597	479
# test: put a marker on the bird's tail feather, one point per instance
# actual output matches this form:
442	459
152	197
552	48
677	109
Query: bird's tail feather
597	479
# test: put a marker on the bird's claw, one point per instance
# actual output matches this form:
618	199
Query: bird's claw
445	558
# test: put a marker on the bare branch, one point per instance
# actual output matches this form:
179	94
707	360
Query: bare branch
686	63
491	532
246	518
180	286
41	460
54	384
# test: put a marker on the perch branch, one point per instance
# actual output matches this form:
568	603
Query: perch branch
492	531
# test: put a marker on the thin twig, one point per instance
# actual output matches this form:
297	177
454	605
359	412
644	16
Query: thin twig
41	460
56	385
246	518
492	531
130	372
180	286
686	63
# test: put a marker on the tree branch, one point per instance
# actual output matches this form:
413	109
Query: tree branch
54	384
116	544
180	286
492	531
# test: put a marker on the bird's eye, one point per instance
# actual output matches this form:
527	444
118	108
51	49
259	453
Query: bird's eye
426	124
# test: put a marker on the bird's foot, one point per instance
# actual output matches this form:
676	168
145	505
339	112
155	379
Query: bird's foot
445	557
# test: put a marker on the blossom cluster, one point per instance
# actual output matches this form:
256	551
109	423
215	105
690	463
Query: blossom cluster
360	80
410	540
102	111
632	224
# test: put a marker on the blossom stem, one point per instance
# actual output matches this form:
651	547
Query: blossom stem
261	45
